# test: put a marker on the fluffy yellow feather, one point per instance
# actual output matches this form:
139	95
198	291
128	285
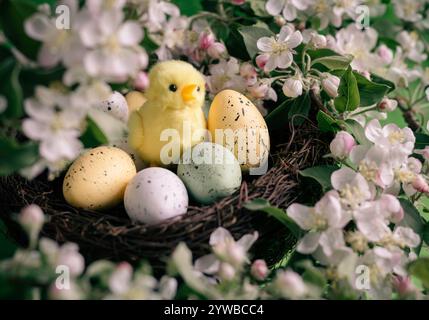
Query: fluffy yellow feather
175	96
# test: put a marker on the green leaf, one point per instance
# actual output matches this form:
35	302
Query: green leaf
334	62
370	92
11	88
15	156
380	80
326	123
258	8
322	174
420	269
348	93
321	53
188	7
235	43
426	234
277	213
422	140
93	136
312	274
299	109
250	37
355	128
412	218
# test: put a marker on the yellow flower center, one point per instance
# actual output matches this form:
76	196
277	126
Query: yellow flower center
396	137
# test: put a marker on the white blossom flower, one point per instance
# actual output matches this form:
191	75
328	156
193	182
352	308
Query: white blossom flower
353	189
55	124
172	38
280	48
324	223
225	75
396	140
289	8
408	10
290	285
58	44
225	249
156	13
360	44
413	48
114	51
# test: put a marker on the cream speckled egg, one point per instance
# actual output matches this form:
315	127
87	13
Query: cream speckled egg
135	100
155	194
210	172
98	178
236	123
116	105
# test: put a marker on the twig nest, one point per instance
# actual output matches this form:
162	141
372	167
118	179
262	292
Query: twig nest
98	178
210	172
155	194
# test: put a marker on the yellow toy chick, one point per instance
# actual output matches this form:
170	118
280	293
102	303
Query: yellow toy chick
174	101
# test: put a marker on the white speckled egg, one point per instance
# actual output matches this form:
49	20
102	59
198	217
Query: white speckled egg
116	105
155	194
98	178
210	172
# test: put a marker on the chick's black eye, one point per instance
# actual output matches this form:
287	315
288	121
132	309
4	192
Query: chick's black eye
172	87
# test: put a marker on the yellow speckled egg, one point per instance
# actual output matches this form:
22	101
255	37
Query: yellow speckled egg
98	178
135	100
236	123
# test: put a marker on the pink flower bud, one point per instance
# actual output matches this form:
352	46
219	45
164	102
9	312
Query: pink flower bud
248	72
236	255
259	270
330	84
216	50
424	153
403	285
259	91
387	105
262	60
31	219
141	82
238	2
292	87
226	271
420	184
280	21
69	256
385	54
206	40
342	145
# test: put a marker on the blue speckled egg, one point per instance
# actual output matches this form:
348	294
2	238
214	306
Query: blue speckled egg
210	172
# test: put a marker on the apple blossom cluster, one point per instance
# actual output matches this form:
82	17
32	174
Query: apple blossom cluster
361	222
60	272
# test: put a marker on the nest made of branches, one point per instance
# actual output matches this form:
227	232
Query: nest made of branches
111	235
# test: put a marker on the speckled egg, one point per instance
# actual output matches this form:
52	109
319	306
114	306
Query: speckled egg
98	178
124	145
247	136
116	105
210	172
135	100
154	195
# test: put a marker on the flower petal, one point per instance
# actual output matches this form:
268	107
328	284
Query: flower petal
309	243
130	34
274	7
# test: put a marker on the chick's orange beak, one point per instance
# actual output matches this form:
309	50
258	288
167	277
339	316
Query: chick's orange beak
188	92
